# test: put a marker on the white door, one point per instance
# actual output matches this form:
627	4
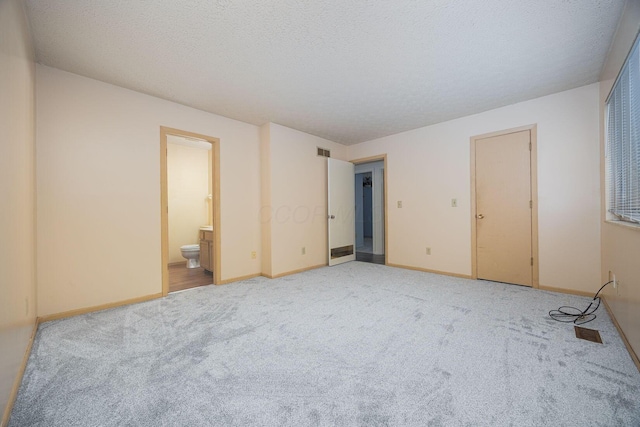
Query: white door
503	208
341	208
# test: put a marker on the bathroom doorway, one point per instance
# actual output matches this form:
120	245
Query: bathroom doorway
189	210
370	194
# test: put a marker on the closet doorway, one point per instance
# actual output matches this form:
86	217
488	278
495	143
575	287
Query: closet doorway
190	209
371	215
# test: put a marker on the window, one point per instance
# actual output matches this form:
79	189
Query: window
623	142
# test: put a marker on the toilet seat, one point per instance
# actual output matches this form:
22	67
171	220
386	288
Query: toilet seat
188	248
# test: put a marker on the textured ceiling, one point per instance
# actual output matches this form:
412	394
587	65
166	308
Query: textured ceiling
346	70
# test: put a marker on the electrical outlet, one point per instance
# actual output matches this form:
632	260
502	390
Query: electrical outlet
253	254
454	203
399	203
304	250
428	251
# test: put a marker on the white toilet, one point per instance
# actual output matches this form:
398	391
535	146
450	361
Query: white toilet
192	254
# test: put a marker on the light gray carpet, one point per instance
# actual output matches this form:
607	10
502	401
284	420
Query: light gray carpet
356	344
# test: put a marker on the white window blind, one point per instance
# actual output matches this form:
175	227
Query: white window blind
623	142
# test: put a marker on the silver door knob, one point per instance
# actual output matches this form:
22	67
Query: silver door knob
332	217
479	216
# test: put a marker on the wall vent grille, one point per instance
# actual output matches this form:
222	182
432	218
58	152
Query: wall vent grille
324	152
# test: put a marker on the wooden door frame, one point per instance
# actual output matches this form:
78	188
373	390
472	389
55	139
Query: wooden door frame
164	202
534	197
383	158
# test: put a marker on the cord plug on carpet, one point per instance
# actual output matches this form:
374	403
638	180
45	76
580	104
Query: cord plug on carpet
574	315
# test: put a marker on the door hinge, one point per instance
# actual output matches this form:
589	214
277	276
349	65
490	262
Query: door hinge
529	146
531	260
530	204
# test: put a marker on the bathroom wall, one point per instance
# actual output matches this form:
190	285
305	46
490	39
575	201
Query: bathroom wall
188	186
98	162
429	166
17	195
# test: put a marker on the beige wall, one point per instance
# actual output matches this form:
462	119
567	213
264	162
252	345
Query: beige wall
188	188
17	194
98	164
428	167
620	244
265	198
294	198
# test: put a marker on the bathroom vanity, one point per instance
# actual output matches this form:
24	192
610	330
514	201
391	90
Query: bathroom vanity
206	248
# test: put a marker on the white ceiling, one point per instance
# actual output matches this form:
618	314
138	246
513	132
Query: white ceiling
346	70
